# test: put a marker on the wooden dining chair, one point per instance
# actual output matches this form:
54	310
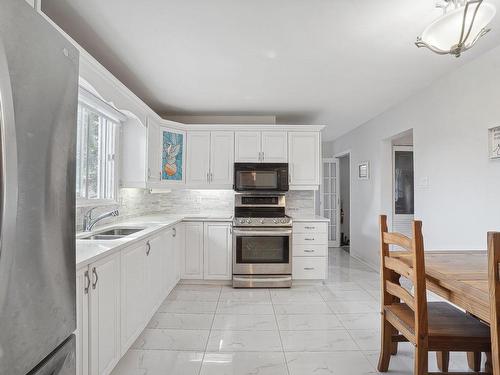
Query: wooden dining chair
494	286
430	327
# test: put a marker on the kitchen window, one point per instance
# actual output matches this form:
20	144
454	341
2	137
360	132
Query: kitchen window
96	151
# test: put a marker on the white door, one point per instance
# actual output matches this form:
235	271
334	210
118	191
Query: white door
104	314
274	147
133	294
304	158
247	147
155	271
218	251
403	189
154	153
192	261
82	320
221	158
198	158
330	199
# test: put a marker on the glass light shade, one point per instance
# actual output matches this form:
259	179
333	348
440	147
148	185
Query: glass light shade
444	34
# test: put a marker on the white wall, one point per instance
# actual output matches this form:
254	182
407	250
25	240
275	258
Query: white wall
457	192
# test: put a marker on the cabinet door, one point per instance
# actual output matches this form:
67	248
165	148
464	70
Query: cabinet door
274	147
304	158
154	153
247	146
218	251
133	296
198	157
171	259
82	320
221	158
155	271
178	250
105	314
192	261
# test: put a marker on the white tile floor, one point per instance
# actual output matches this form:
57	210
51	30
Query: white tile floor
314	329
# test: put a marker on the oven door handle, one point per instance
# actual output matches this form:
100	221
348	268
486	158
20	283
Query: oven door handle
280	232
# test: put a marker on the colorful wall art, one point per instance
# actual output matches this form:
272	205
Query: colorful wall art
172	162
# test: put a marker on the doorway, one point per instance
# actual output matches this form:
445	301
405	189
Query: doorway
345	200
403	186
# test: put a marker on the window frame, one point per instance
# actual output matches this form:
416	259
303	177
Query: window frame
97	105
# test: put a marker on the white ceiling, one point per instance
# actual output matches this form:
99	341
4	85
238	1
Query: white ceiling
333	62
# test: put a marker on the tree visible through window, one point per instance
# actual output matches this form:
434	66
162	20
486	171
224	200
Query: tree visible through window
95	155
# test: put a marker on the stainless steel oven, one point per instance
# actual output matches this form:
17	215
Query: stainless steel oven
261	177
262	242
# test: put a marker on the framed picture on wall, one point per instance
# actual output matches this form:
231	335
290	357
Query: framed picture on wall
494	143
173	155
364	170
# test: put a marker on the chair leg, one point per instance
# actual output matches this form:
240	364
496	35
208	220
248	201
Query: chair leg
385	345
443	361
474	361
394	345
421	363
489	364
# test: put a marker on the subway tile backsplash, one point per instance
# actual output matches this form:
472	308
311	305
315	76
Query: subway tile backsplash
139	202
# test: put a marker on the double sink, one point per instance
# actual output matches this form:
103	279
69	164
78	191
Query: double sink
114	233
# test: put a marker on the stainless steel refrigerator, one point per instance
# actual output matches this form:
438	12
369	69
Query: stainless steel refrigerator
38	106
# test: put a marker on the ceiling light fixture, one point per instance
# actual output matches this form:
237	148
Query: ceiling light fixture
462	24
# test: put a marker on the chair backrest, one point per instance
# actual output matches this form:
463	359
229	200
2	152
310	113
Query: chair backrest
494	286
392	268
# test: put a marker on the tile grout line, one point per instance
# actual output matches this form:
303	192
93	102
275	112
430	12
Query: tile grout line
279	332
210	332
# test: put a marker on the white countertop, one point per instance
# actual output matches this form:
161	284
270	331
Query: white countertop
309	218
89	251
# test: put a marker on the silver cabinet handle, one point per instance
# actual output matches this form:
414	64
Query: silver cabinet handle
309	239
230	230
149	172
87	281
208	177
95	278
174	232
308	268
309	227
263	157
308	251
148	248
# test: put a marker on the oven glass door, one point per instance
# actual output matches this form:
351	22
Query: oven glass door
269	249
257	180
261	252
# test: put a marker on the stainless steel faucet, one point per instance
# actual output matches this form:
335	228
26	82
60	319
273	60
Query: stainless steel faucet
89	223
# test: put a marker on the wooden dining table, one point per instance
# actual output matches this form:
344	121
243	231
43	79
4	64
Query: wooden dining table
460	277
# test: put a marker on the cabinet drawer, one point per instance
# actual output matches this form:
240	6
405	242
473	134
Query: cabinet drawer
310	250
310	239
310	227
309	268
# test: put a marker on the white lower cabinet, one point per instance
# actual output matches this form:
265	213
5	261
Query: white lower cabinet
104	317
217	250
192	259
82	320
310	250
133	301
117	296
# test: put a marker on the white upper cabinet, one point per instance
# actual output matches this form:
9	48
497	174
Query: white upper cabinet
221	158
247	146
198	160
265	146
154	164
304	159
210	158
274	147
218	251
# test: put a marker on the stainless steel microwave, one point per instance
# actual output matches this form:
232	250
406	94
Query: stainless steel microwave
261	177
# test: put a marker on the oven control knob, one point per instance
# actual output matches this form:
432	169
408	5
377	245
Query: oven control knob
242	221
283	220
249	221
275	221
262	221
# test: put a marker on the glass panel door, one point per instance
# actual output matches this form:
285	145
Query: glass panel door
329	192
403	189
